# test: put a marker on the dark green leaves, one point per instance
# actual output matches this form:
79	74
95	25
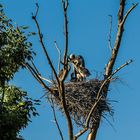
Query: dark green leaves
14	47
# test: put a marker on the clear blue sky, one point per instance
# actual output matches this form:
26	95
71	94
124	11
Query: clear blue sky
88	32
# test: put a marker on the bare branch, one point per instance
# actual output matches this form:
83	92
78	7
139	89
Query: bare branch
65	71
109	36
121	21
56	121
39	75
121	11
45	79
128	12
81	132
59	55
65	7
35	68
42	44
36	76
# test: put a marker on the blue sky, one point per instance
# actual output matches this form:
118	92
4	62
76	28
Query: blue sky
88	36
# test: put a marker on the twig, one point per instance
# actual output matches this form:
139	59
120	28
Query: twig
65	68
35	68
59	55
45	79
56	121
65	7
34	17
38	73
128	12
36	76
109	36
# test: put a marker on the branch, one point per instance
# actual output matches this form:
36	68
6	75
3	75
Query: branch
128	12
45	79
34	17
109	36
56	122
121	21
121	11
39	75
65	72
36	76
59	55
65	7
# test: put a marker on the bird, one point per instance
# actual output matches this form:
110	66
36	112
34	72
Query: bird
80	61
77	60
80	72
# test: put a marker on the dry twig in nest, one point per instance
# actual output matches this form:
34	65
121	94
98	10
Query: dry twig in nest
80	97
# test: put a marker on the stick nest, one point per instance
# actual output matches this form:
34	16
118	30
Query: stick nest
80	98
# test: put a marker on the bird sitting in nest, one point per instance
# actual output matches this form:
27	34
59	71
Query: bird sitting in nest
80	72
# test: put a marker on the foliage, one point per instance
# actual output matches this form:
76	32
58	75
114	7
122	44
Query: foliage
16	112
16	107
14	47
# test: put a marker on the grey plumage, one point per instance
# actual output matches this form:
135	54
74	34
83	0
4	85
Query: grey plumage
80	72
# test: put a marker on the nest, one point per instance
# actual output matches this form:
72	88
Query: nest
80	98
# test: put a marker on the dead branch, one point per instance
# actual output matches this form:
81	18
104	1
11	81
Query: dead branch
40	35
45	79
109	36
65	7
36	76
65	71
56	121
121	21
38	73
128	12
59	55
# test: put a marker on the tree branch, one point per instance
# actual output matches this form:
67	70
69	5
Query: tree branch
56	122
40	35
36	76
121	21
59	55
65	72
128	12
109	36
65	7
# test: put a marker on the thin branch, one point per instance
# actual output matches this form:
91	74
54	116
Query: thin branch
121	21
34	17
35	68
81	132
59	55
56	121
123	65
65	71
36	76
109	36
45	79
128	12
39	75
65	7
